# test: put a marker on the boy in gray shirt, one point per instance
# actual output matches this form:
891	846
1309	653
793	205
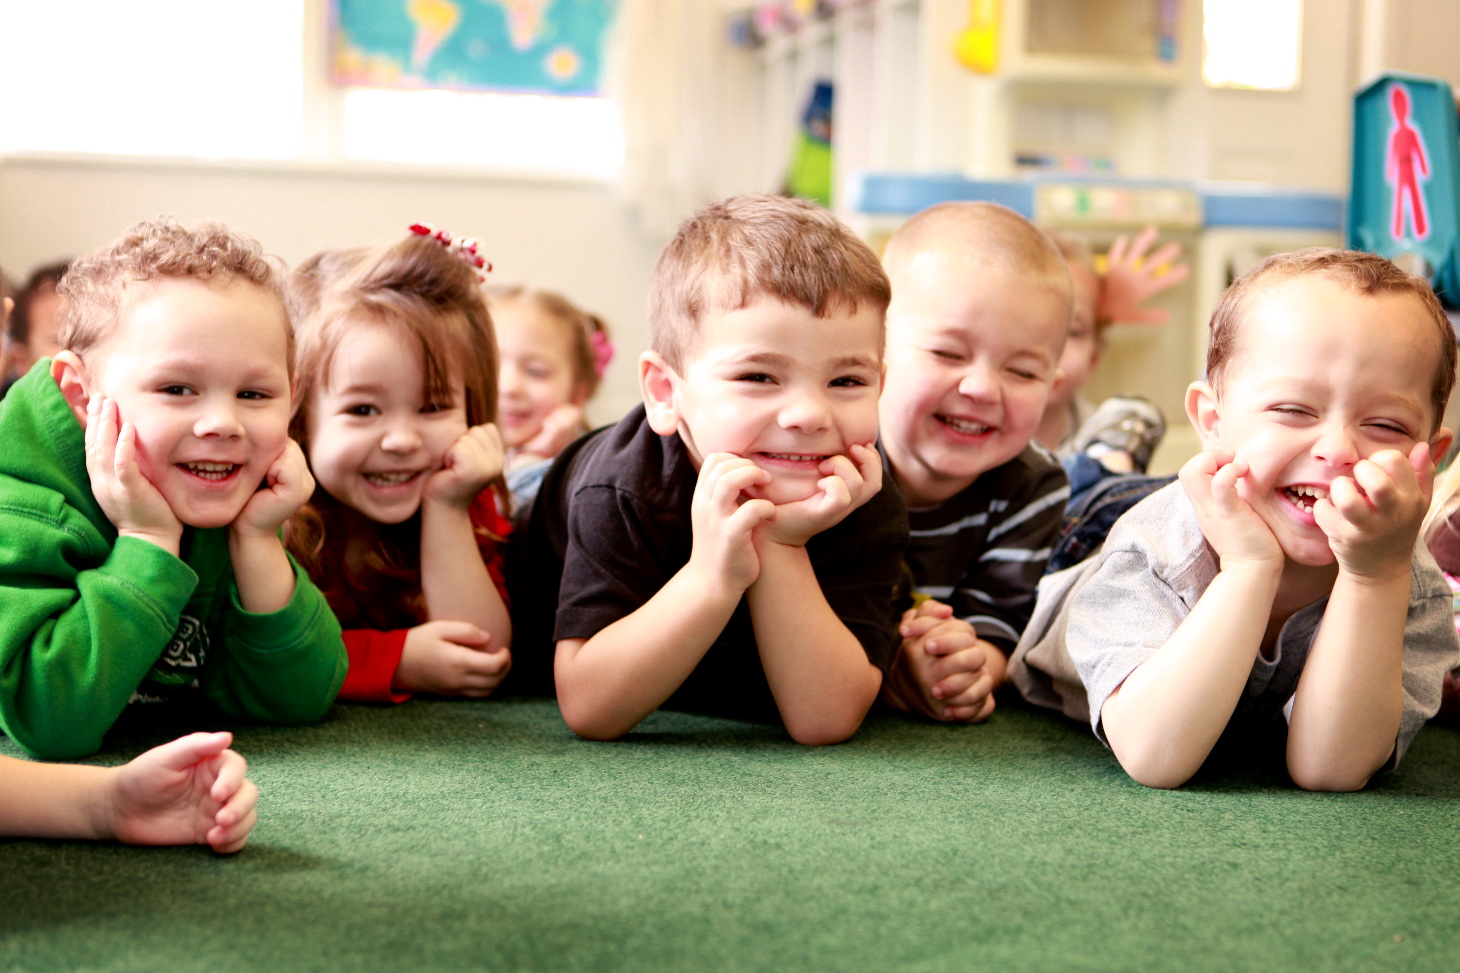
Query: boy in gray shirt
1279	586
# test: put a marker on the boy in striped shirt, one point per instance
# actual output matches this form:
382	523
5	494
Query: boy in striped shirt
981	306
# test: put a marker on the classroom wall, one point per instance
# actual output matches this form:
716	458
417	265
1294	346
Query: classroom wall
574	237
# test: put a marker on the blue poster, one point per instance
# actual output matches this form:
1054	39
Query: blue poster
530	46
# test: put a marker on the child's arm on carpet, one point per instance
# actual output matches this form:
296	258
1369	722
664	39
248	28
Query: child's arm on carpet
190	791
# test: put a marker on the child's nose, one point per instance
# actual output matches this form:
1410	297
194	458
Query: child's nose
402	437
1337	447
979	381
807	412
219	420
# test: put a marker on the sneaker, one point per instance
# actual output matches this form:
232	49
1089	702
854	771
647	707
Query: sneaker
1126	424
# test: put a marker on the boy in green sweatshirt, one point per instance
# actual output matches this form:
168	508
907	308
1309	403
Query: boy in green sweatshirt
144	474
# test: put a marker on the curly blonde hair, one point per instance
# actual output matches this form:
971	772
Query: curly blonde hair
94	286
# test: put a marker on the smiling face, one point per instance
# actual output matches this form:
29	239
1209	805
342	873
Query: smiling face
775	384
1321	377
202	372
374	433
972	352
535	357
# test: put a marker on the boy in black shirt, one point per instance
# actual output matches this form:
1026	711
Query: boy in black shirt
729	548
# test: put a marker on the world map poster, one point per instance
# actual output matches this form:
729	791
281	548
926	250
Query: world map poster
530	46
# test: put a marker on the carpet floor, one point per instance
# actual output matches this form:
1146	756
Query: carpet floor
484	836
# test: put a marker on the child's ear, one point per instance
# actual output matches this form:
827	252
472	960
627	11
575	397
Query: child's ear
1204	410
658	384
69	374
1440	444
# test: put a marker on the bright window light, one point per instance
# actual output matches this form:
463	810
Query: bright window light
567	135
154	77
1252	43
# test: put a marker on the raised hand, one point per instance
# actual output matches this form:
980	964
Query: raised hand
1131	277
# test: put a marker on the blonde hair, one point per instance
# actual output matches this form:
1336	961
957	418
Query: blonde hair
579	325
1364	273
741	249
987	232
433	301
93	287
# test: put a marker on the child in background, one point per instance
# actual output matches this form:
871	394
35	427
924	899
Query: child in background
32	330
397	391
190	791
552	357
1119	436
1277	595
146	471
728	548
1442	537
980	308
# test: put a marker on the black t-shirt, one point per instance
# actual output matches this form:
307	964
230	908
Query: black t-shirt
611	525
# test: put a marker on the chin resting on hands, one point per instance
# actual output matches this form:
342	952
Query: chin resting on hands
451	658
1213	481
847	482
1372	517
287	486
473	461
129	500
724	522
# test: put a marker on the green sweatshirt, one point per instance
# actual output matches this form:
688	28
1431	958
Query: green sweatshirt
90	621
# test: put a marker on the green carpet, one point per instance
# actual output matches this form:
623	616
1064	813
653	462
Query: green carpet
465	836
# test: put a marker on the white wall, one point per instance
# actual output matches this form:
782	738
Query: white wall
571	237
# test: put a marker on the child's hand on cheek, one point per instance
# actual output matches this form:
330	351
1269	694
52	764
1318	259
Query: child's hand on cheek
134	506
559	428
1373	517
287	486
1213	481
724	522
846	484
473	461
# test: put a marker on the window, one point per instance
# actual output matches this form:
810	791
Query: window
1252	43
218	81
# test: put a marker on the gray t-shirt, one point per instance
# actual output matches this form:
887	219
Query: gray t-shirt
1094	623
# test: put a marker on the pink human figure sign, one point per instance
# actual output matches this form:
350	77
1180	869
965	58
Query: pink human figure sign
1405	163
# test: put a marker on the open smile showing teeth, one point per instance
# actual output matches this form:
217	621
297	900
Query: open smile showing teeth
390	479
210	471
1305	497
795	457
966	426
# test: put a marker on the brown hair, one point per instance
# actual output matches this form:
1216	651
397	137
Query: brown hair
737	250
579	325
988	232
40	280
429	298
94	285
1364	273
